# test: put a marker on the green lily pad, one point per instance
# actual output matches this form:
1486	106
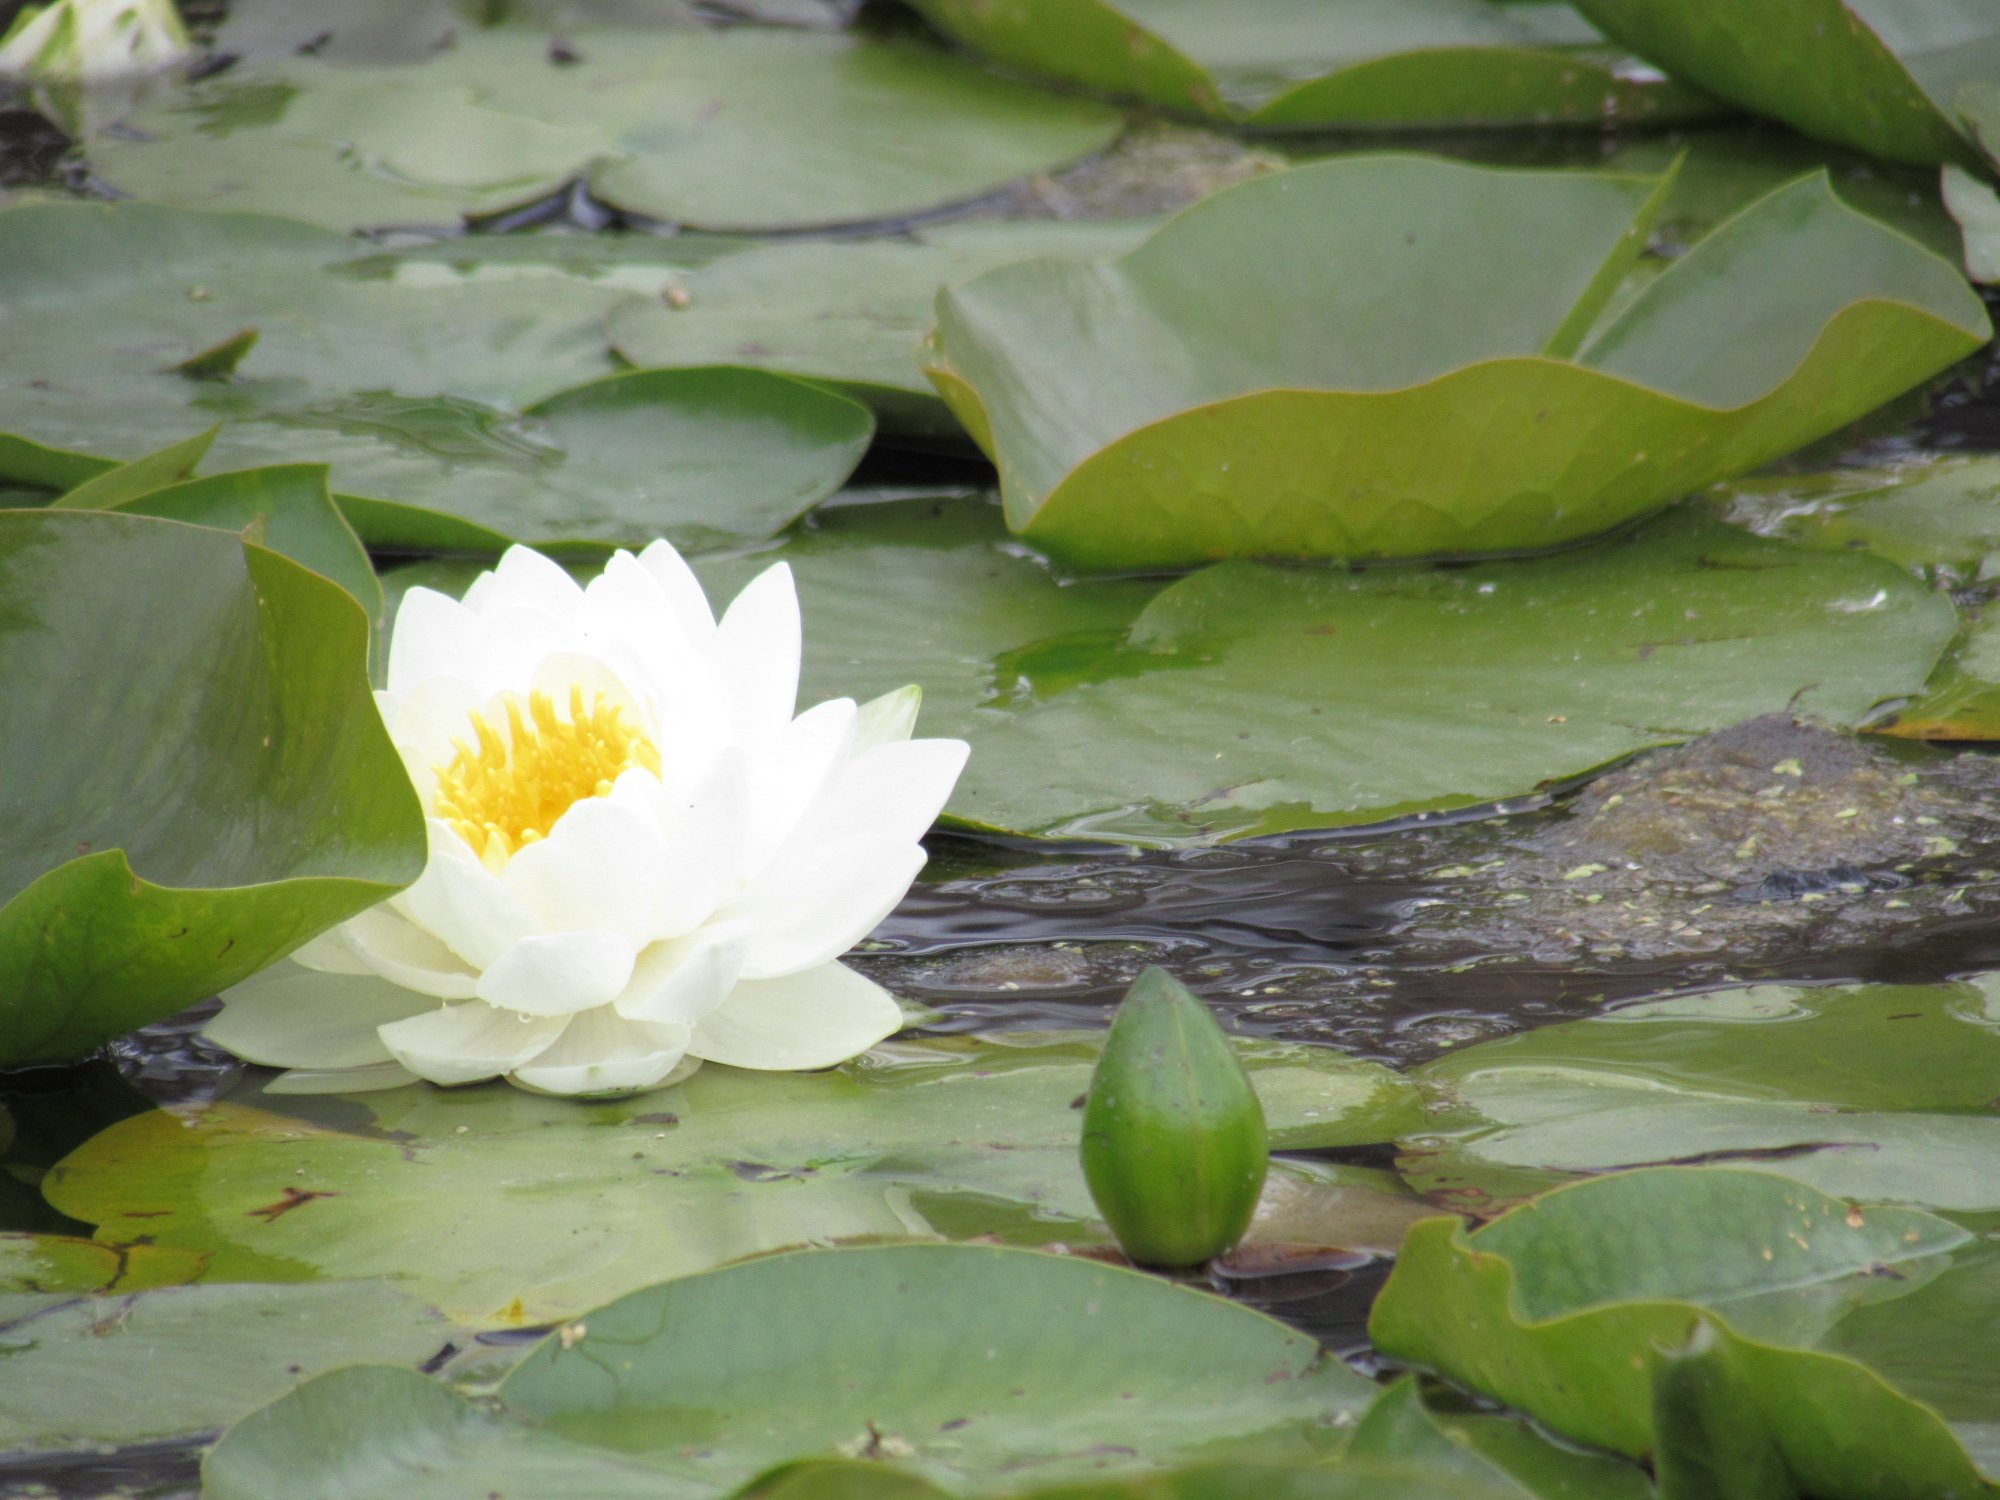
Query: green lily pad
1883	76
958	1363
1402	408
1249	699
1938	516
183	1361
1566	1310
746	129
60	1264
1879	1092
1976	207
239	793
1488	1450
1298	64
599	1199
441	385
1962	699
849	314
286	508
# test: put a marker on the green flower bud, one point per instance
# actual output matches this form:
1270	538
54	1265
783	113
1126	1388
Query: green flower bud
1174	1147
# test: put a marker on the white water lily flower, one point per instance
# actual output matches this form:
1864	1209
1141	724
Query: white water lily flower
84	41
639	858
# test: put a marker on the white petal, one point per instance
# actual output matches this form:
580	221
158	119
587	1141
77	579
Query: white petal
813	1019
682	589
289	1017
685	979
889	718
523	578
465	1043
434	636
329	954
559	973
626	603
756	654
809	909
602	865
386	1075
705	849
463	904
602	1053
790	771
393	946
428	723
892	791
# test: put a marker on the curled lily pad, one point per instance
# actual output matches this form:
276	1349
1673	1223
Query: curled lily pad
1251	699
1300	64
606	1197
1568	1307
955	1362
1400	408
746	129
239	794
1886	76
1881	1092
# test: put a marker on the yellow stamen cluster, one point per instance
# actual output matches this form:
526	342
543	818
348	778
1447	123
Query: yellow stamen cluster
510	790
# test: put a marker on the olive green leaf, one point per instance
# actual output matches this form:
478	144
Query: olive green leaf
83	1372
851	314
197	778
1302	64
1880	1092
958	1363
1567	1309
1885	76
1257	405
746	129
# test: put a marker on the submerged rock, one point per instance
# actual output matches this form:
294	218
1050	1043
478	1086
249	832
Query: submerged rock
1763	832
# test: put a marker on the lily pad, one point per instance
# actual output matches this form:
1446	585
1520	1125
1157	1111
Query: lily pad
506	1208
1976	207
849	314
1565	1310
286	508
958	1363
1939	516
1249	699
1300	64
1400	408
239	793
441	388
747	129
1962	699
183	1361
1880	1092
1884	76
60	1264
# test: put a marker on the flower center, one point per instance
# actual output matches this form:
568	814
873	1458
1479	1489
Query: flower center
510	790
